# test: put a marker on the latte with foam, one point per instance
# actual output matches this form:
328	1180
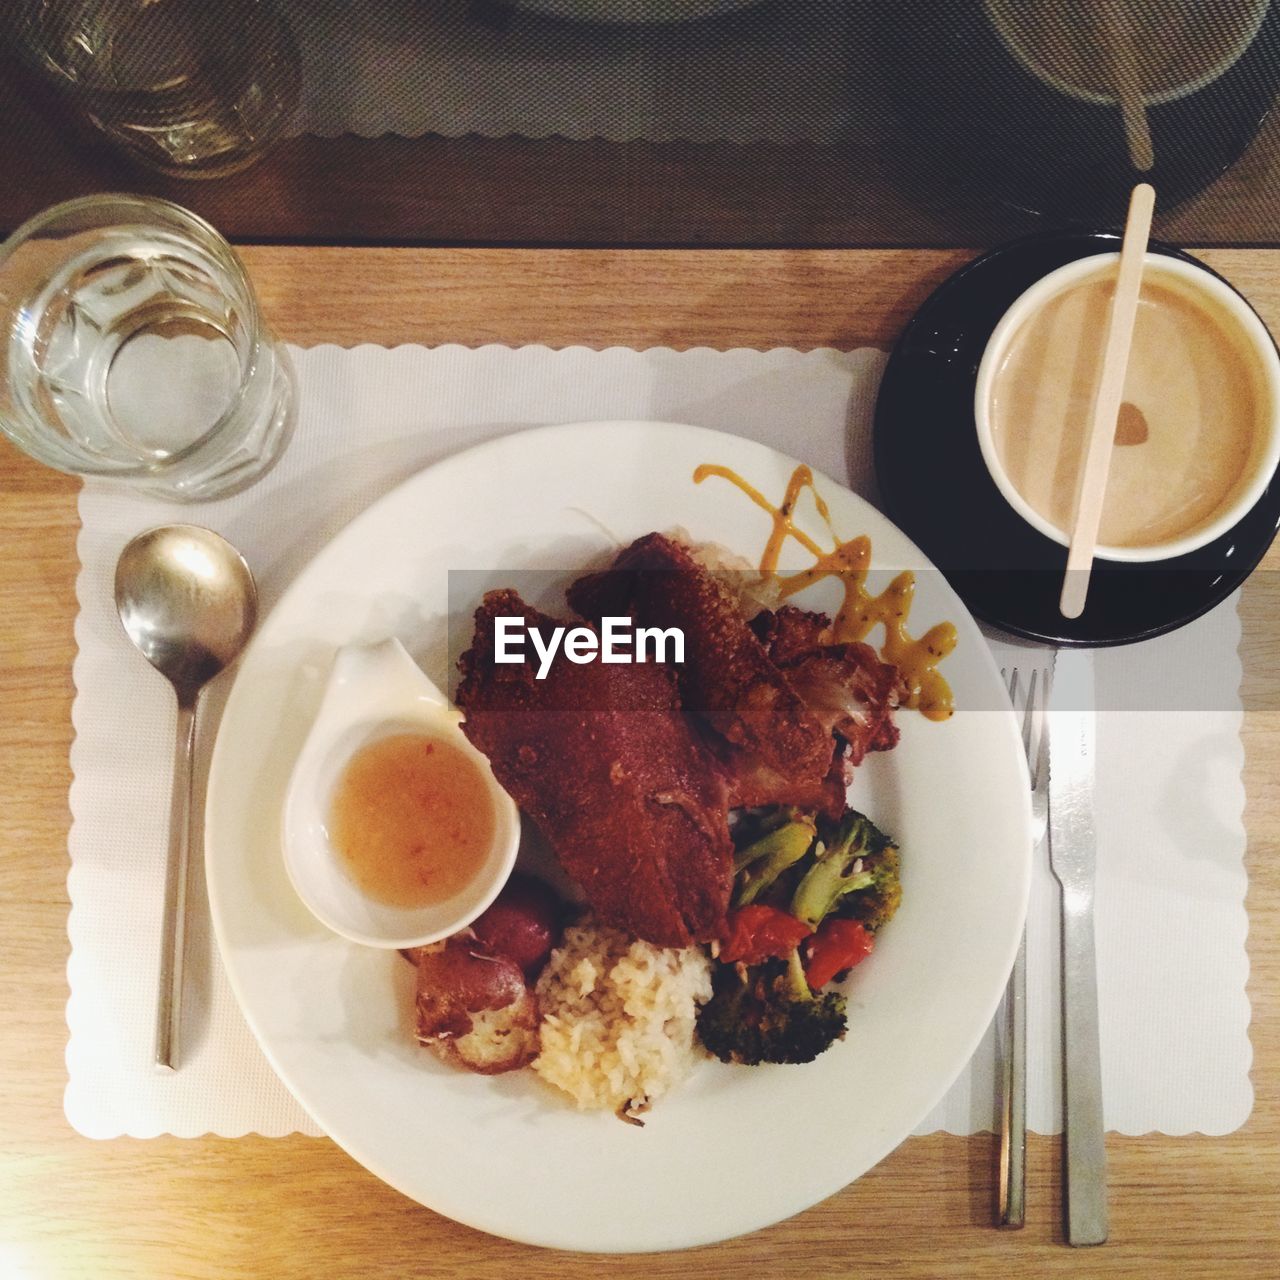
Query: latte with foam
1198	409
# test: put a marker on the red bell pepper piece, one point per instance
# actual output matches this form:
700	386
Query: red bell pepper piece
838	945
757	933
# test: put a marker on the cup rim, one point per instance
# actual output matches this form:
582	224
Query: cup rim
231	260
1200	276
1206	78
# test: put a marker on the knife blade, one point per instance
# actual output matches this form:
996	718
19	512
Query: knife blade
1072	857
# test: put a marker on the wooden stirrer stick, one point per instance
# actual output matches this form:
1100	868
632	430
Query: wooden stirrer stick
1092	485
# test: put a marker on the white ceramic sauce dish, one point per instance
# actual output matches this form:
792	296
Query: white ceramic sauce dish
376	691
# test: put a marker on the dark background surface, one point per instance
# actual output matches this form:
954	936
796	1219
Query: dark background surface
847	123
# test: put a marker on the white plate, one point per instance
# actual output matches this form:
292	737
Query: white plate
733	1148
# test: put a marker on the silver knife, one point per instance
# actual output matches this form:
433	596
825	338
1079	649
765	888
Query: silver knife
1072	854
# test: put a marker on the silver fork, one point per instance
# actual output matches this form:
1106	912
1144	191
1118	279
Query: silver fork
1013	1106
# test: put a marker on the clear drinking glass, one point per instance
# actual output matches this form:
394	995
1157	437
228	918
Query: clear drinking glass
133	348
193	88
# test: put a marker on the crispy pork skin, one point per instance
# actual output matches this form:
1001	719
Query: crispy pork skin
602	758
773	743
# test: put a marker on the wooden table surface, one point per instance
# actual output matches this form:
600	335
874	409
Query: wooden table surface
255	1207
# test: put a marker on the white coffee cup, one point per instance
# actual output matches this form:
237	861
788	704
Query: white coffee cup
1205	423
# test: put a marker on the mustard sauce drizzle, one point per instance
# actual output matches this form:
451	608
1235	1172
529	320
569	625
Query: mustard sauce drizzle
849	562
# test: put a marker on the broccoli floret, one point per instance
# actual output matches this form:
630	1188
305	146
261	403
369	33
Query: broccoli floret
843	869
760	863
876	904
769	1014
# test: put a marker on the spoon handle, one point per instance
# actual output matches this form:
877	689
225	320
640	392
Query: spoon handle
173	941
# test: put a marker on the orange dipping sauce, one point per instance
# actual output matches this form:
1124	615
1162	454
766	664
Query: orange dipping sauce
412	819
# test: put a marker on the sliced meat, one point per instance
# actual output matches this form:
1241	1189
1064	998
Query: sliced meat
753	784
602	758
847	686
853	692
727	677
789	633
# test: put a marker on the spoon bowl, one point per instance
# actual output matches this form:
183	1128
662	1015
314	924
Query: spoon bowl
187	600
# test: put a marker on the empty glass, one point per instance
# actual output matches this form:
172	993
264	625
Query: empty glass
133	348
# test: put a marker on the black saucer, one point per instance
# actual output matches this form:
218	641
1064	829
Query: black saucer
936	489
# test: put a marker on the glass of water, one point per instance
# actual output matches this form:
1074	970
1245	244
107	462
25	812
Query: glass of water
194	88
133	348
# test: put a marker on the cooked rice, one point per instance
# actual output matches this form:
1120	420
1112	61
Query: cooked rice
618	1017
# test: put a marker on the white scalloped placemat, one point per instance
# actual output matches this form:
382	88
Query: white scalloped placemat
1171	883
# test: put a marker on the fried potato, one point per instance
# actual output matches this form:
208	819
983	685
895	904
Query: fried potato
474	1009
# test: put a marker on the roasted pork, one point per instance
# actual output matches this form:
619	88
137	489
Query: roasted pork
851	691
774	749
602	758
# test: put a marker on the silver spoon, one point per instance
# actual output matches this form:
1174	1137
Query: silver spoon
188	601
